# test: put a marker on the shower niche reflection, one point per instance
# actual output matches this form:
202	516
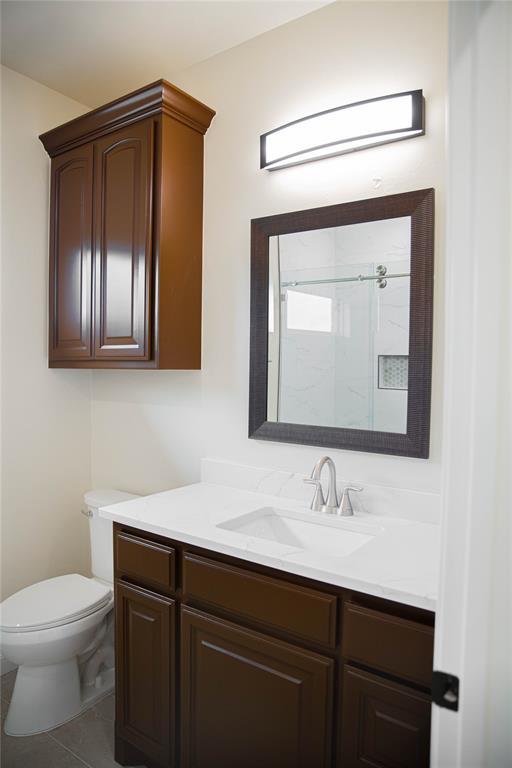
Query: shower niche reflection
341	321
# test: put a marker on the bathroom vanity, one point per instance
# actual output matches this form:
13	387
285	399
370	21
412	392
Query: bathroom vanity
228	661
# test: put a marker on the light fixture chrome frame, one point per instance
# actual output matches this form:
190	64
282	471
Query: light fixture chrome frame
417	125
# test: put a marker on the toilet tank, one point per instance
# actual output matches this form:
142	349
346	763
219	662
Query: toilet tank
100	530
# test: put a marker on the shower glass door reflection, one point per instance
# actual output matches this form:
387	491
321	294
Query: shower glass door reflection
339	326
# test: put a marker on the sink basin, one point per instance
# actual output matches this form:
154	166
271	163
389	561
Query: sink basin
328	536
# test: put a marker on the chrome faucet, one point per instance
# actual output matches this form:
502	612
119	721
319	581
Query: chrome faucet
331	505
319	504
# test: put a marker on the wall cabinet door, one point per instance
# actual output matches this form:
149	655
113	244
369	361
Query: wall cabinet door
249	700
123	242
384	724
145	673
70	255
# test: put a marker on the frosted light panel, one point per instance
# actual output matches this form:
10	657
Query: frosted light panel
344	129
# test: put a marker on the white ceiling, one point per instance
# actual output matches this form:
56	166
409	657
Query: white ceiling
94	51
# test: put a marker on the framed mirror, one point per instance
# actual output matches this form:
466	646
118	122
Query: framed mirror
341	325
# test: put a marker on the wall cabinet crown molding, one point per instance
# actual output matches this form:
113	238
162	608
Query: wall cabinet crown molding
160	97
126	218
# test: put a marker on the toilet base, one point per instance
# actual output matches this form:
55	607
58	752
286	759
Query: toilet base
46	697
102	687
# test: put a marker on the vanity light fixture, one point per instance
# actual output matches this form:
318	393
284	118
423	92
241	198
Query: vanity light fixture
344	129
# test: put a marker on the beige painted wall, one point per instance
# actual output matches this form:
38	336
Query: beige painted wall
149	429
45	414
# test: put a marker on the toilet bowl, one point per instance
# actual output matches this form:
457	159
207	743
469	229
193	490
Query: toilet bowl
59	632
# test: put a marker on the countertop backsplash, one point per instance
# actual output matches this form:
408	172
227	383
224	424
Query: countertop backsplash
419	506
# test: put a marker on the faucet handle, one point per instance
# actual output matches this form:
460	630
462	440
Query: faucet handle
318	500
346	509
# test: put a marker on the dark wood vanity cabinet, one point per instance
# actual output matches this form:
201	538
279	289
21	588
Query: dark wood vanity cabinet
126	233
251	700
227	664
145	675
384	723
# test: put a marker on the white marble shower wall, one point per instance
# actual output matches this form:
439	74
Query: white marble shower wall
354	379
391	337
333	333
307	370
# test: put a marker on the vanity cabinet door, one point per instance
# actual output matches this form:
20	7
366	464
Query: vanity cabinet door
251	701
70	255
384	724
145	674
123	243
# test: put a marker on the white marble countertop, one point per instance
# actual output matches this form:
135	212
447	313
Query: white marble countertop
399	562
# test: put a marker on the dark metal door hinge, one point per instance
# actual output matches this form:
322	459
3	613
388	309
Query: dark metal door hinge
445	690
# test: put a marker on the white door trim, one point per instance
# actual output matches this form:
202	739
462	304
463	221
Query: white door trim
478	298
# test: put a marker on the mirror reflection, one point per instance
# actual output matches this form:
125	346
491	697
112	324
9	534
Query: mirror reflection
338	326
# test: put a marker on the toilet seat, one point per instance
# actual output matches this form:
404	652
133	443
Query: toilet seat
53	603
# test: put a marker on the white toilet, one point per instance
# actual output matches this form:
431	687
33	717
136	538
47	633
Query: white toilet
59	632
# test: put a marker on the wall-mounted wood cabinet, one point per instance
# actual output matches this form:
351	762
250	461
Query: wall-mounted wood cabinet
263	669
126	233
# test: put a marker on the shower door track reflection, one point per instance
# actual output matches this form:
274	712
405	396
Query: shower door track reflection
357	279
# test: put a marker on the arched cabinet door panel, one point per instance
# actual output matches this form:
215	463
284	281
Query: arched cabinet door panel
123	247
70	255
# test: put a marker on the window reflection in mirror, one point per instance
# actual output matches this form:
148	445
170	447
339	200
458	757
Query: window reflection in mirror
338	330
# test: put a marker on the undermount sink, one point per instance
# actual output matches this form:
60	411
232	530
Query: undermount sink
325	535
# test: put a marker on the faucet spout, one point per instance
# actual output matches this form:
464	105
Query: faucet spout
331	502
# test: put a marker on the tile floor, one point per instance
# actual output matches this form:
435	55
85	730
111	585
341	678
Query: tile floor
85	742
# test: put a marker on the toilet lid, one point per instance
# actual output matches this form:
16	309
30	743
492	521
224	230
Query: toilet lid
53	602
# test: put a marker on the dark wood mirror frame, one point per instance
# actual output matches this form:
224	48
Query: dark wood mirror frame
419	205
